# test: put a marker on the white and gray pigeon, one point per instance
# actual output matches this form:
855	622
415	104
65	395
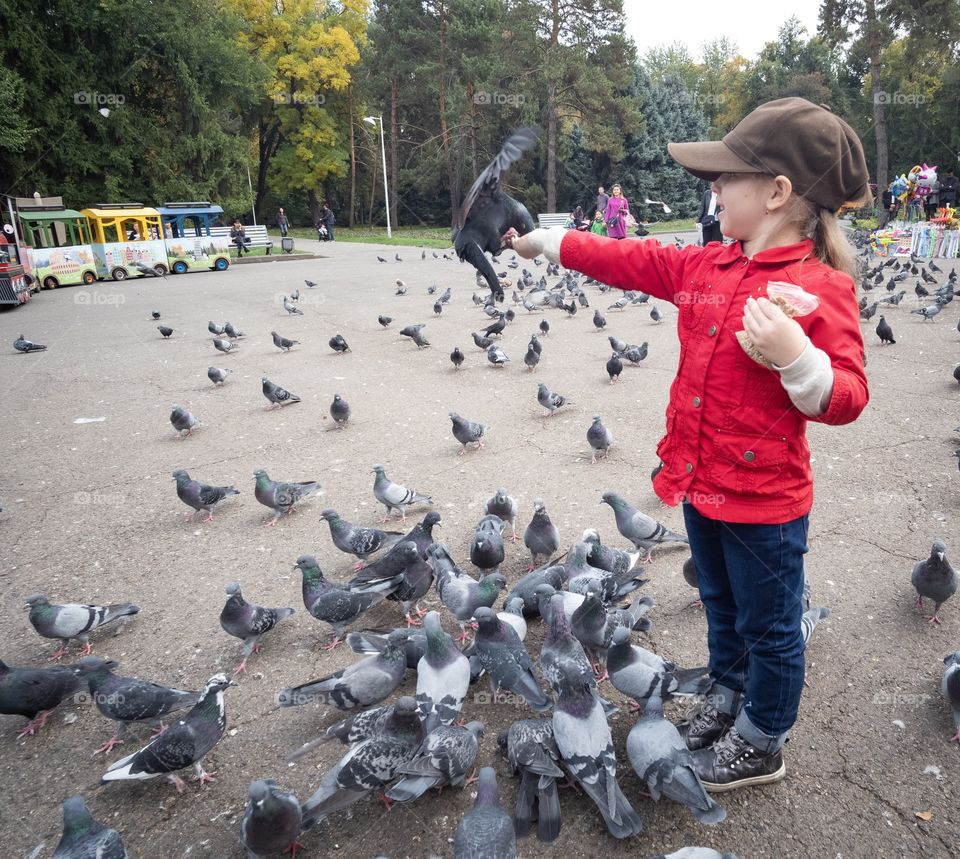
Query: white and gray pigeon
541	536
443	676
486	550
225	346
950	687
83	837
340	411
643	531
184	422
281	497
358	541
530	748
934	579
232	331
467	432
613	586
561	654
616	561
248	622
496	356
354	729
549	400
183	744
126	700
272	820
73	620
282	343
214	328
393	496
594	624
506	661
486	831
445	758
599	438
504	506
291	308
462	594
200	496
276	395
369	765
661	758
544	594
21	344
366	682
218	375
34	693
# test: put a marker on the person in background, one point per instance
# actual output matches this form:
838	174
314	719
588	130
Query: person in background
708	217
328	220
283	223
948	188
599	225
602	198
238	235
888	207
932	201
617	210
578	221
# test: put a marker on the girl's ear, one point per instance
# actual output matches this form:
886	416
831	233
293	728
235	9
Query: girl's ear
779	193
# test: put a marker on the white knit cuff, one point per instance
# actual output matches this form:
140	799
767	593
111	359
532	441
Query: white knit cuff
551	243
808	380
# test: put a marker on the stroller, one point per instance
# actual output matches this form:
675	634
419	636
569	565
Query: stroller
322	233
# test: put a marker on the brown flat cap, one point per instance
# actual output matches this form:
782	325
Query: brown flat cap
815	149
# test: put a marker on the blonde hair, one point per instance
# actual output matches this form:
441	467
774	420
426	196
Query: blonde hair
830	246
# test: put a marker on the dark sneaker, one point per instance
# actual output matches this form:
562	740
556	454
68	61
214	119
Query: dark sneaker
704	726
732	762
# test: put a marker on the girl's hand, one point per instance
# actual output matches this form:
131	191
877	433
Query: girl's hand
528	246
777	337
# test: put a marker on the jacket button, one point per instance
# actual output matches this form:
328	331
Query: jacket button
689	467
696	401
749	455
713	330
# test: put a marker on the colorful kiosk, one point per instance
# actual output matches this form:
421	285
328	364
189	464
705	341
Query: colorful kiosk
56	245
187	235
14	281
126	238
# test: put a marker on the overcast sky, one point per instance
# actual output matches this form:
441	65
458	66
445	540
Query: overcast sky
748	23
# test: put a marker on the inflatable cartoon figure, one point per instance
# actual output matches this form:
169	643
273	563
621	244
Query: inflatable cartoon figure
924	179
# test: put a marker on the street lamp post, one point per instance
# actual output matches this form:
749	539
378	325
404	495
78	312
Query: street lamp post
383	153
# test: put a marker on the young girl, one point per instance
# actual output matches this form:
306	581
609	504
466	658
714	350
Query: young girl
735	453
599	226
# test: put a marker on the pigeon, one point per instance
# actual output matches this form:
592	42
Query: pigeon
443	676
480	341
456	356
691	578
217	375
446	756
619	304
661	758
535	344
354	540
884	332
232	331
149	271
437	307
612	586
488	213
643	531
867	313
338	344
165	331
281	497
402	575
486	550
497	327
544	327
600	439
384	321
72	620
586	746
34	692
504	506
380	258
463	595
447	295
598	320
291	308
935	579
506	661
950	687
183	744
183	421
525	588
213	328
655	315
401	288
295	295
369	765
272	820
561	652
282	343
248	622
635	354
530	748
369	681
496	356
466	432
127	699
397	257
929	311
310	284
276	395
809	620
486	831
393	496
330	602
531	358
549	400
155	315
615	561
21	344
198	495
340	411
374	641
420	340
541	536
225	346
83	837
594	625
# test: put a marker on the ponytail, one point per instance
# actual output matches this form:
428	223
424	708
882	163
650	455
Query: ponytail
830	245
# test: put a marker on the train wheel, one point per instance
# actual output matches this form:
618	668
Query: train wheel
89	277
180	267
222	264
160	269
50	282
119	274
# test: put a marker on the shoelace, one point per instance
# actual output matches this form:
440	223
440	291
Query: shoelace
729	746
703	716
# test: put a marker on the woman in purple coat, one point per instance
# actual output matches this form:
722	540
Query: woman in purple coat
617	210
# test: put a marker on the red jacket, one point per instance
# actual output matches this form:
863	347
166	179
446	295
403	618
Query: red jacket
736	446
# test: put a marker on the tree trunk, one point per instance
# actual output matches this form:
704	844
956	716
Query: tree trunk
315	206
442	106
353	162
875	48
552	149
266	146
394	132
474	127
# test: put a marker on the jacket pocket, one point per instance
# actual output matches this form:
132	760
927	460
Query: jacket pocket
747	464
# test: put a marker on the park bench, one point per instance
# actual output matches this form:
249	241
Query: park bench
257	235
552	219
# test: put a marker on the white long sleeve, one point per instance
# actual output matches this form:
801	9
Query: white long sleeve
551	243
808	380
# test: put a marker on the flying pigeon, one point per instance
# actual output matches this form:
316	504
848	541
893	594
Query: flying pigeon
281	497
541	536
530	748
21	344
446	756
934	579
486	832
272	820
393	496
248	622
83	837
466	432
600	439
641	530
183	421
34	692
276	395
282	343
217	375
72	620
198	495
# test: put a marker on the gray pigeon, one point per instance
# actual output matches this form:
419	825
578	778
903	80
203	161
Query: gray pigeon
73	620
506	661
393	496
183	421
198	495
530	748
338	344
486	832
532	358
612	586
232	331
594	625
374	641
282	343
496	356
34	692
600	439
695	853
661	758
614	367
615	561
505	507
445	758
545	593
643	531
402	575
354	540
525	587
541	536
466	432
356	728
225	346
549	400
248	622
218	375
809	620
340	411
165	331
366	682
598	320
385	320
486	550
183	744
281	497
83	837
463	595
291	308
950	687
456	356
443	676
691	577
276	395
934	579
369	765
21	344
213	328
330	602
127	699
561	654
272	820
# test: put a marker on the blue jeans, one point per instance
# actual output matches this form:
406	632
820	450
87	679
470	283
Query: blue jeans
751	583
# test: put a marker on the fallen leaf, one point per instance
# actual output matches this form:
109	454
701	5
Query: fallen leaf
923	815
